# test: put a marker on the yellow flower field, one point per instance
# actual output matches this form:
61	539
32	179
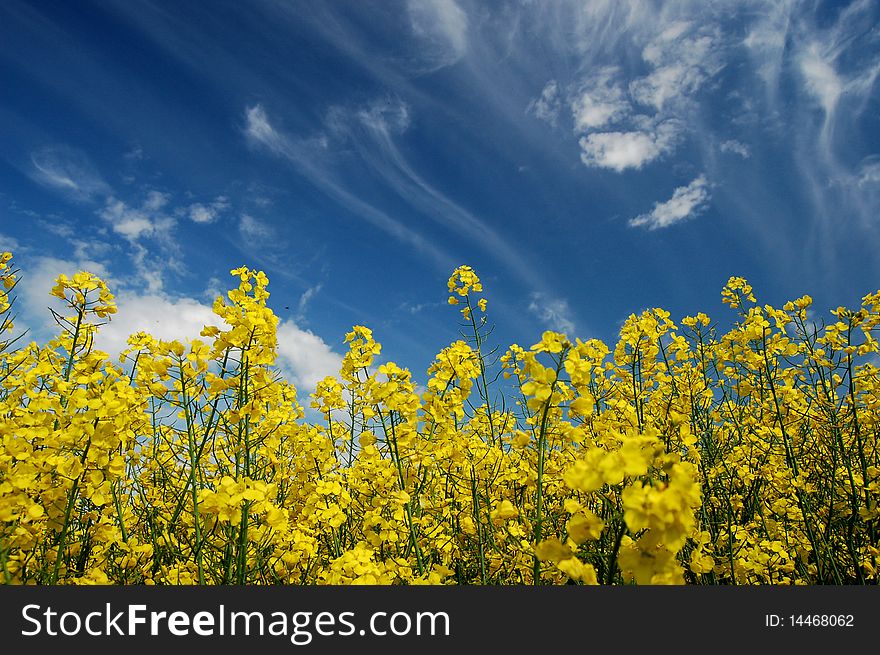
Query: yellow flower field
680	455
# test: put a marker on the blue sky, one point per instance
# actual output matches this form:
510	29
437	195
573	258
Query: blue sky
589	159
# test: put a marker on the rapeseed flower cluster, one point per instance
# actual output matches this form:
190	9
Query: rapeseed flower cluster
679	455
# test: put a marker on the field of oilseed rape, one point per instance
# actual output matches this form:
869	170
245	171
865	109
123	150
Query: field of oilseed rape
679	456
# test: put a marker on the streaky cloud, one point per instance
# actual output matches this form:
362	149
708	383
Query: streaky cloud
380	150
552	312
69	171
686	202
303	156
735	147
442	28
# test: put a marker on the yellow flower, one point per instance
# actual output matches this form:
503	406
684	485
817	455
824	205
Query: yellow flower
584	526
552	550
503	511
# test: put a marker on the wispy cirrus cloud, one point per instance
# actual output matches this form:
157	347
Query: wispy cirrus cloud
681	59
824	59
306	298
144	221
305	156
836	79
686	202
553	312
599	100
735	147
442	28
136	223
69	171
604	108
372	130
207	213
650	80
627	121
254	230
547	105
8	243
149	231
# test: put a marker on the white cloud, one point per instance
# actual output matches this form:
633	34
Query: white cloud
258	129
129	223
149	221
306	298
665	84
135	154
686	202
137	223
151	270
154	312
656	51
767	38
254	229
37	280
304	357
205	214
683	59
199	213
625	121
546	106
91	249
8	244
868	173
163	317
213	288
67	170
622	150
736	147
416	308
307	156
59	227
600	101
821	79
442	27
156	200
385	116
152	219
552	312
